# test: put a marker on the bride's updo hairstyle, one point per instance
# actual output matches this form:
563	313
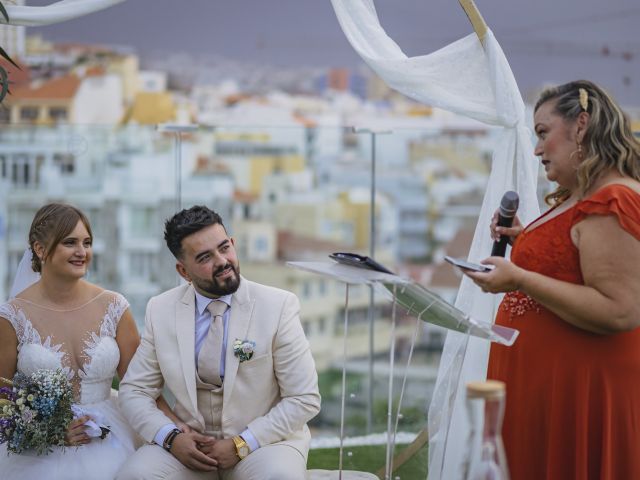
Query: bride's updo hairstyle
50	226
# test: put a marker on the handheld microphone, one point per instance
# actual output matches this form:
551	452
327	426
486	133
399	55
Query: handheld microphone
508	209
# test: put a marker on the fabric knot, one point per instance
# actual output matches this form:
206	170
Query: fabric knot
217	308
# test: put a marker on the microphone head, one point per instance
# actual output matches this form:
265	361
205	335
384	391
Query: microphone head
509	204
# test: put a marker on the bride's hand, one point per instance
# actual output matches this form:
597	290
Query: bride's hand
76	435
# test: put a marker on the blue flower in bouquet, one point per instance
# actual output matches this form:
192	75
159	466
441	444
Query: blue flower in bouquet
36	411
45	406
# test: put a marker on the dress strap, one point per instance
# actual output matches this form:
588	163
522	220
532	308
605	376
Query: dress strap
616	199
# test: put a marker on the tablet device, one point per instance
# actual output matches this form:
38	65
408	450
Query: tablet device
475	267
361	261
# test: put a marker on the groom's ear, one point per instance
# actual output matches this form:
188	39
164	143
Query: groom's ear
182	271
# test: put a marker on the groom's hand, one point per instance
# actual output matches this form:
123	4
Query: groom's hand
185	449
224	451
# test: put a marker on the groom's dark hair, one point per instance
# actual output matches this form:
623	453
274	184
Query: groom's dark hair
186	222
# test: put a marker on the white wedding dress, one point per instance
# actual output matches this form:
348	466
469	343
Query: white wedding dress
82	342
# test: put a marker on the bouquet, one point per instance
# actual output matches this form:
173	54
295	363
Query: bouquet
35	411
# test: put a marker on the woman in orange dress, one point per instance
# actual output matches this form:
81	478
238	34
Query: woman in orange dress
573	292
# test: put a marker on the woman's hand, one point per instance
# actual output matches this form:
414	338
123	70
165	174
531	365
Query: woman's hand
76	435
505	276
511	232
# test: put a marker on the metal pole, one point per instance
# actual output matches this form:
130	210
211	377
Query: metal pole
178	130
372	251
372	247
392	354
344	378
178	170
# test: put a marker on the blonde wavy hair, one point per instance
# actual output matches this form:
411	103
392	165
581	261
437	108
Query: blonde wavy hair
608	142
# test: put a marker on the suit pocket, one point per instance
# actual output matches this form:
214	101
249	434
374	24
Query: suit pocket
256	366
255	387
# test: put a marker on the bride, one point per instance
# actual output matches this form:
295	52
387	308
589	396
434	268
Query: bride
63	321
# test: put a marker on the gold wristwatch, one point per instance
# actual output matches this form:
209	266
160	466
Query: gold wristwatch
242	448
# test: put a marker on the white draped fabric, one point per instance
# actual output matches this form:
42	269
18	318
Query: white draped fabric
54	13
477	82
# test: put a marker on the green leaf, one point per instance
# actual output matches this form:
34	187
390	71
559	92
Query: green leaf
4	13
6	55
4	84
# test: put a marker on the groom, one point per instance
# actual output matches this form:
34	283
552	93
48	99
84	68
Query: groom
234	355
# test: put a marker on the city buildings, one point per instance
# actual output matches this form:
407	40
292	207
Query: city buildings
290	170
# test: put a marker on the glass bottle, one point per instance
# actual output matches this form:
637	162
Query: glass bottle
486	459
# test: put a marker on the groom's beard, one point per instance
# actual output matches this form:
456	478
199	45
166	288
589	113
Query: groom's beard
220	287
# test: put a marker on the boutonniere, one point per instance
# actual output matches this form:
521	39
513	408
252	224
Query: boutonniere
243	349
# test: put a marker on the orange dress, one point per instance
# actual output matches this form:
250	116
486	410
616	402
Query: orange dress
573	397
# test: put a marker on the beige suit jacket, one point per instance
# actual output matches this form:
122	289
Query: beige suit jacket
274	393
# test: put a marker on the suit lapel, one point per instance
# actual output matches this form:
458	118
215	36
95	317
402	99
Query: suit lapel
185	333
241	312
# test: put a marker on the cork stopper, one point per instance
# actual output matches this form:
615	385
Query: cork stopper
488	389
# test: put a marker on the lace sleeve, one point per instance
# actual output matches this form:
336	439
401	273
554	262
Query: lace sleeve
23	327
9	311
116	308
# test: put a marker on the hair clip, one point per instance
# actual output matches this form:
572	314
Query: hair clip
584	99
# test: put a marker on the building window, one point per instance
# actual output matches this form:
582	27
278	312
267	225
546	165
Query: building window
306	289
322	325
21	170
142	222
58	114
93	213
141	266
29	114
306	326
66	162
19	222
94	266
261	245
5	114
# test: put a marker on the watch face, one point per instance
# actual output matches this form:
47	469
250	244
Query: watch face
243	451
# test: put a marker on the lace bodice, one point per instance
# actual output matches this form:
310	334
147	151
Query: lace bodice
81	341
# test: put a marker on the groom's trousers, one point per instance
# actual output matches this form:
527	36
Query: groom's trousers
271	462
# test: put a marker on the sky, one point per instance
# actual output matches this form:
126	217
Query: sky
545	41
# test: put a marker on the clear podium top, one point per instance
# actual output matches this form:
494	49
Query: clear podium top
417	300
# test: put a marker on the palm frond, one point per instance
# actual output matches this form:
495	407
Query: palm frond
5	55
4	13
4	84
